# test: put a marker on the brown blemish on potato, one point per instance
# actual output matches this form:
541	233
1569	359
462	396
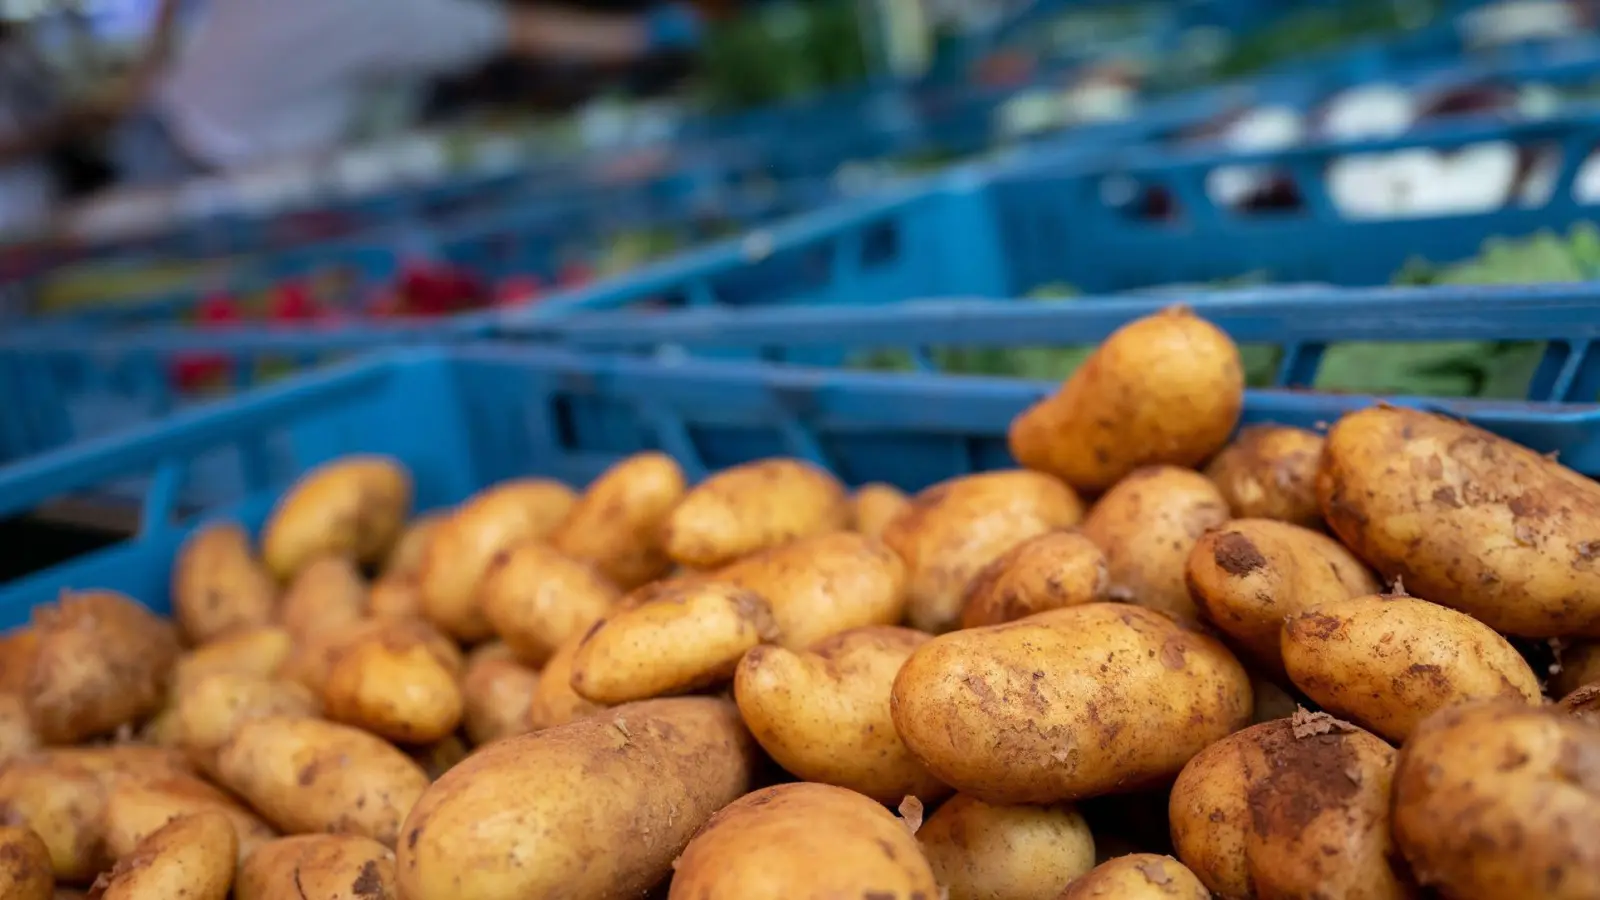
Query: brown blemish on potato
369	883
1237	555
1172	653
1583	703
1316	625
1307	775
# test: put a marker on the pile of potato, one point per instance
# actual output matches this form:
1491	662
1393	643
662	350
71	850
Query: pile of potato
1299	672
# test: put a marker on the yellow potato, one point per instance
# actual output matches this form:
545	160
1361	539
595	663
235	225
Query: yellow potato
1137	876
1579	665
823	714
394	682
137	807
554	702
979	850
1053	570
1147	526
110	761
498	691
617	524
406	559
318	867
1387	662
314	656
394	598
1291	808
191	857
820	586
1583	703
956	528
255	651
1163	390
535	599
1467	519
682	640
308	775
25	872
1249	574
64	804
102	662
752	507
18	647
1068	704
17	737
1498	799
598	808
213	708
354	507
326	593
1270	472
466	543
797	841
218	585
875	506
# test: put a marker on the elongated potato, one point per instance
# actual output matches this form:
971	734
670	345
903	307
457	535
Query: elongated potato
213	708
554	702
666	765
875	506
1387	662
823	585
353	507
394	681
1249	574
824	714
218	586
25	872
1068	704
535	598
317	866
314	656
1137	876
1580	665
1147	525
464	545
1270	472
1467	519
1498	799
956	528
752	507
979	850
254	651
326	593
17	736
137	807
189	857
405	560
682	640
498	692
64	804
1053	570
308	775
1163	390
617	523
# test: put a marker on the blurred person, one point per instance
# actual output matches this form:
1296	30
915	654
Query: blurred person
262	79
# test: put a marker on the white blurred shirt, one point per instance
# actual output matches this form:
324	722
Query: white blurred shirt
260	79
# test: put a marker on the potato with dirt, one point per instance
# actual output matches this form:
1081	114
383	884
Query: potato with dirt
64	804
25	872
1163	390
17	737
353	507
823	714
1147	525
315	866
753	507
1137	876
253	651
980	850
138	807
597	808
956	528
1501	799
192	857
798	841
617	523
1068	704
820	586
1053	570
535	598
498	692
395	681
875	505
327	593
1466	519
1270	472
1249	574
1386	662
212	709
219	586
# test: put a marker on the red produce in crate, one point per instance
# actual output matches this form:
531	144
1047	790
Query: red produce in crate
192	372
518	290
293	302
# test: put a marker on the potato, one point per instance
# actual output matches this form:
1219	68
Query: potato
213	709
1467	519
254	651
191	857
1068	704
1579	665
110	761
136	808
1247	575
1583	703
554	701
824	714
313	658
1290	808
406	558
535	598
326	593
102	662
464	545
820	586
1163	390
1387	662
803	841
597	808
954	529
1270	472
319	867
308	775
394	598
980	851
875	506
752	507
617	523
64	804
17	737
25	872
1137	876
1499	799
683	640
1053	570
498	691
18	647
1147	525
354	507
218	585
396	682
